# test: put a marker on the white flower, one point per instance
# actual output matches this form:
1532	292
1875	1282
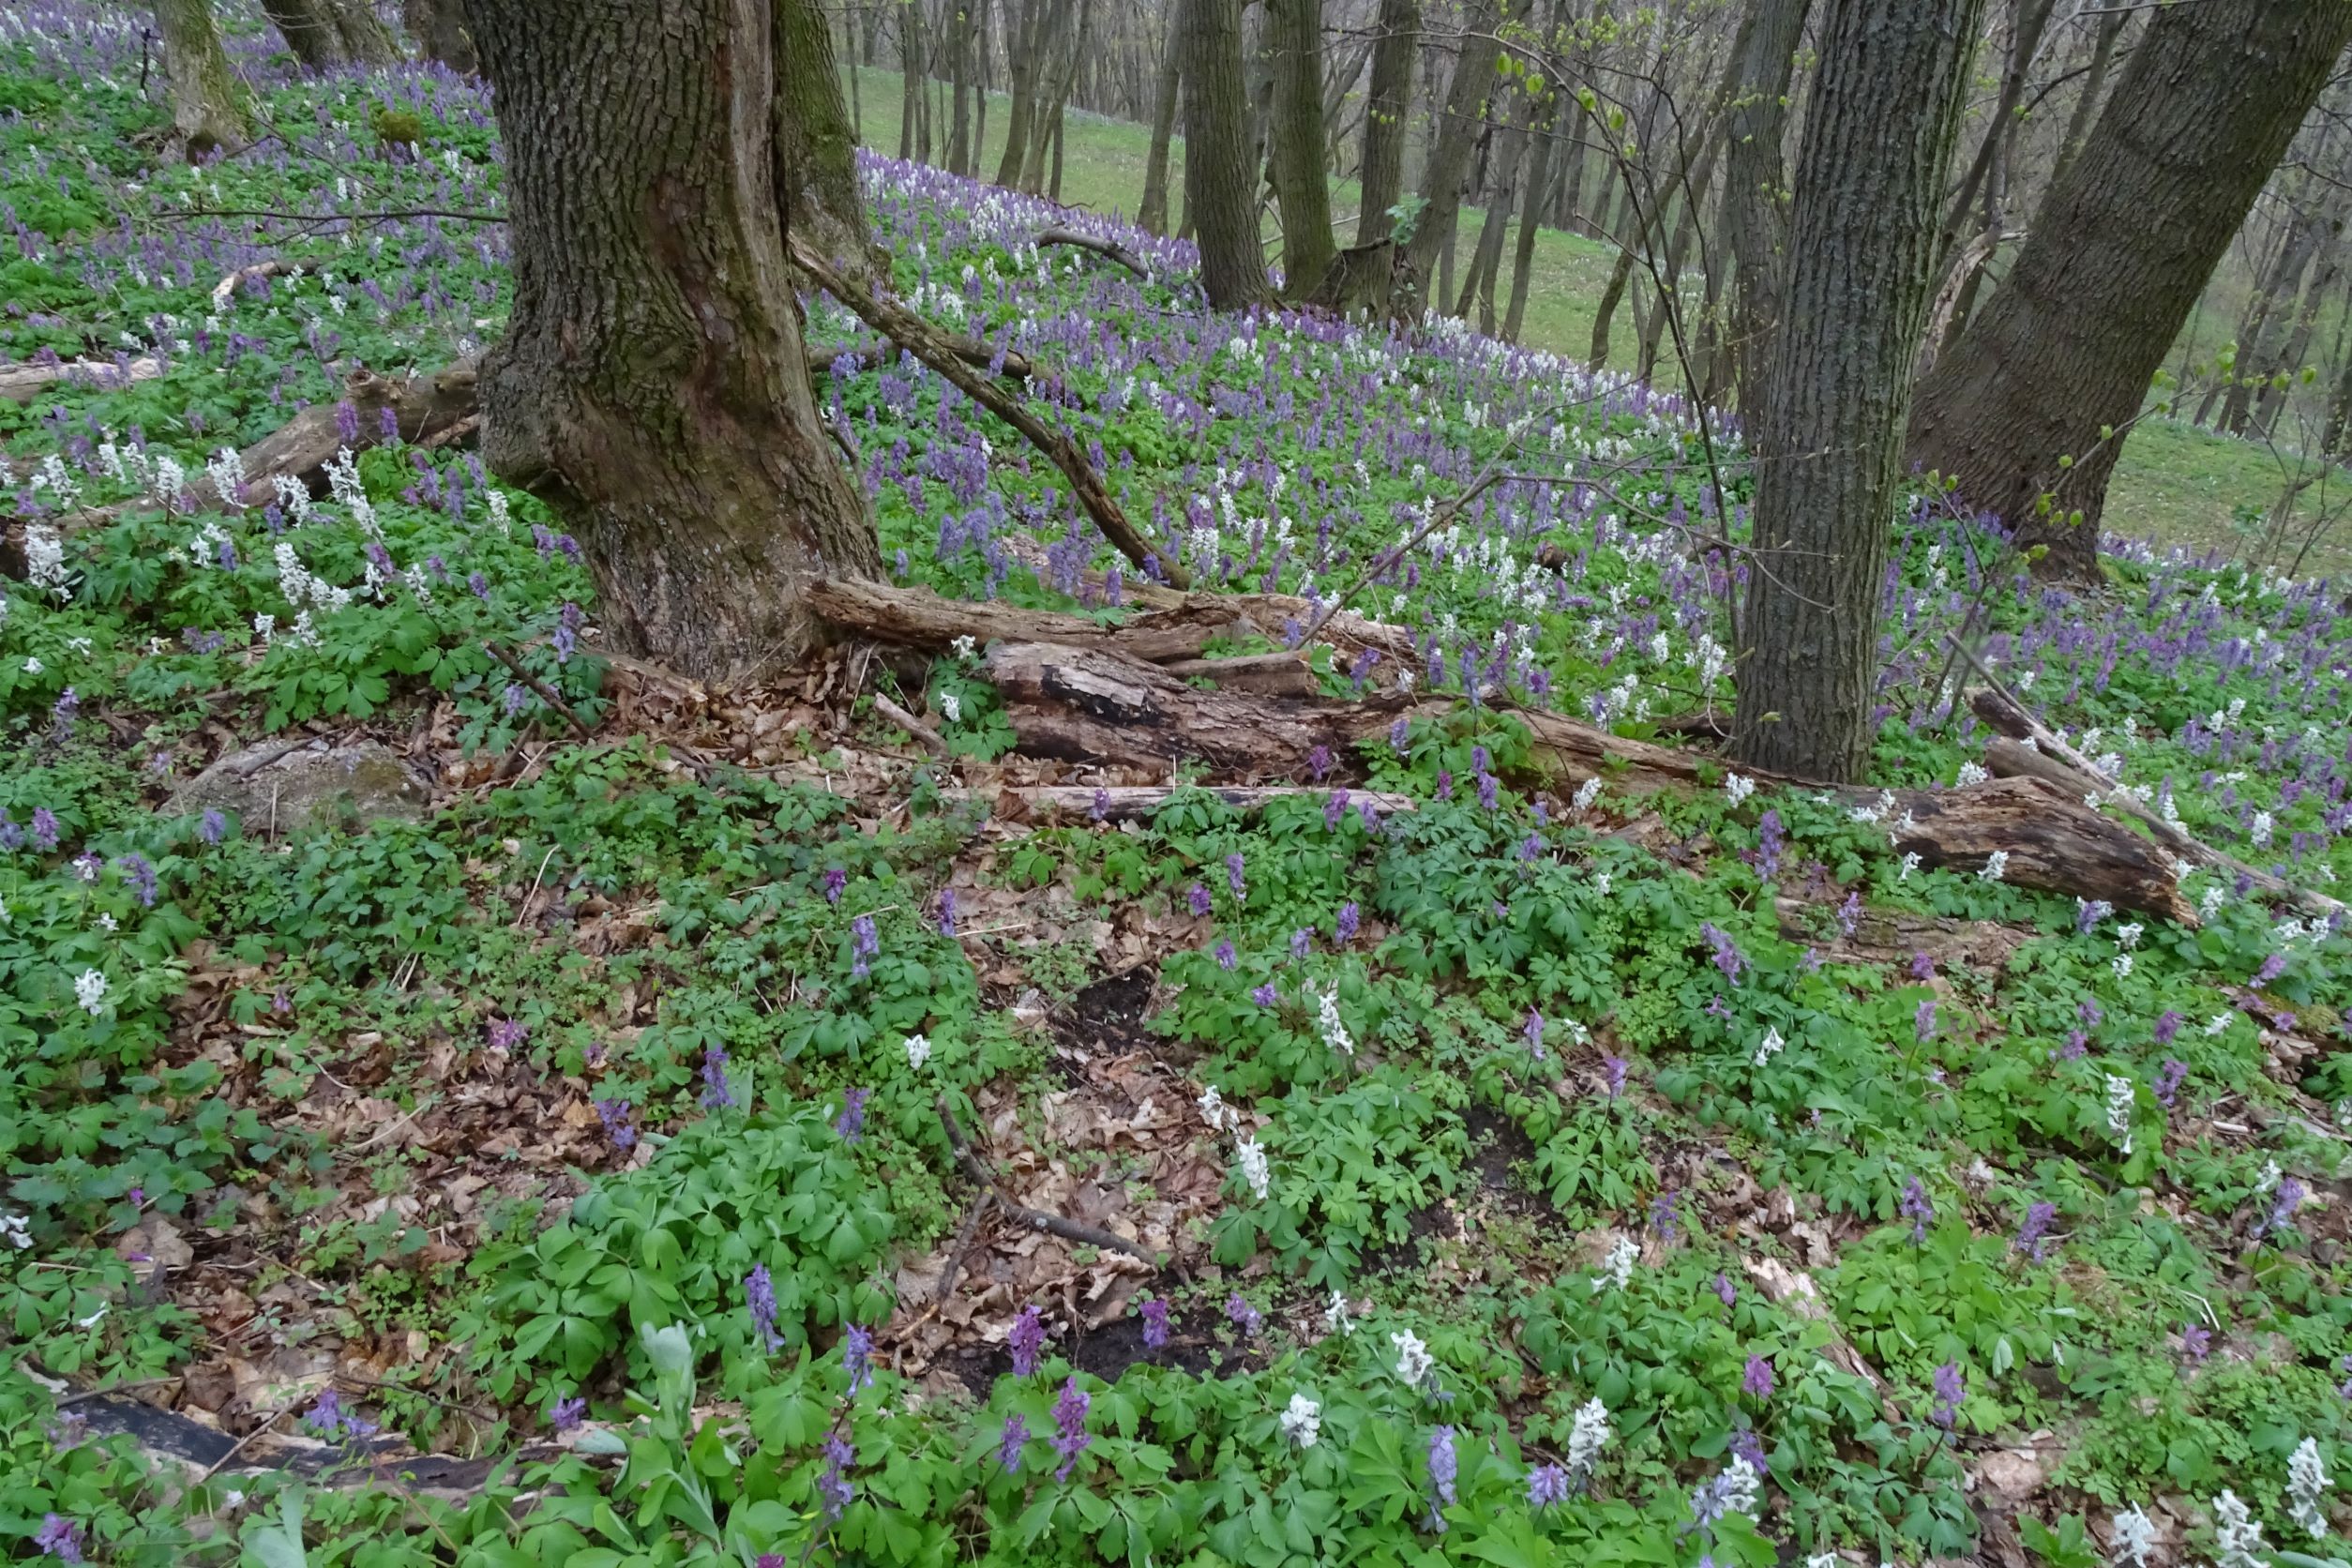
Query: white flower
1586	1439
1970	773
1995	866
1303	1422
2305	1482
2236	1537
1738	787
2119	1113
1618	1268
1768	1046
1601	884
1910	864
89	989
2122	965
1414	1363
2269	1177
2129	936
1214	1110
2219	1023
2260	833
1334	1030
17	1231
965	647
1822	1560
1742	1488
951	707
1335	1319
92	1320
45	558
1586	792
2134	1537
918	1050
106	922
32	667
1253	1169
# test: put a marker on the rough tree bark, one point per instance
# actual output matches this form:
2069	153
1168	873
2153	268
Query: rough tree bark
1218	189
1546	130
653	386
1152	215
1390	91
2064	353
208	113
816	143
324	33
1754	204
1023	42
439	28
1878	137
1295	36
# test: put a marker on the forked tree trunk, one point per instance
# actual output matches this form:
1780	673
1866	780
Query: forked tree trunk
1218	188
1879	138
1387	97
208	113
1295	36
324	34
439	28
2024	413
1152	215
652	385
1457	138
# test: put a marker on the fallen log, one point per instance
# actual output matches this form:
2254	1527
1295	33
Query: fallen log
1134	803
1110	251
1094	705
21	383
2031	749
927	344
1285	674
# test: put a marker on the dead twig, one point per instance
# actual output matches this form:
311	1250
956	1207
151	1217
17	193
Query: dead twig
1037	1219
242	1444
539	687
924	734
955	1268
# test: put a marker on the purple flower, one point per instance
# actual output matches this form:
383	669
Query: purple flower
1445	785
1344	928
506	1033
1922	968
1924	1020
517	697
1533	1029
1334	807
1301	940
2167	1026
59	1537
1724	1291
1546	1486
835	880
1489	791
1443	1465
615	1116
947	912
1233	878
1197	897
45	829
1099	811
141	874
864	946
1070	1437
329	1421
858	1357
1757	1381
1156	1323
1319	762
347	422
1400	735
2088	914
2272	967
759	1288
1009	1445
479	584
2033	1236
1614	1067
1727	956
1664	1220
1769	841
1265	995
1950	1390
1245	1317
850	1124
715	1095
2195	1341
212	827
833	1488
1917	1209
1748	1446
2169	1079
567	1413
1027	1341
2290	1198
1225	956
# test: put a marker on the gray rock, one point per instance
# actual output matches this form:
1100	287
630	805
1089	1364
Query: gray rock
302	783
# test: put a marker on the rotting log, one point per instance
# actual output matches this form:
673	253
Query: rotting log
1092	705
1128	803
22	384
1285	674
1110	251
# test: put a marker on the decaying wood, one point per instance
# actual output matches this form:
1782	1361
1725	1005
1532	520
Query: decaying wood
226	289
976	1165
1130	803
1284	674
925	341
1794	1289
926	737
2032	749
1110	251
1092	705
21	383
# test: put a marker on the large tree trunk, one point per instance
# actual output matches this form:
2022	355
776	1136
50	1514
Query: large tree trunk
1218	188
1023	41
914	68
1152	215
2057	365
1459	131
208	113
1389	96
439	28
1878	137
816	144
1295	33
652	385
324	33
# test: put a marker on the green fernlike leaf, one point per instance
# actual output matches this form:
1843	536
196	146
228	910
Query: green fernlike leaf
278	1544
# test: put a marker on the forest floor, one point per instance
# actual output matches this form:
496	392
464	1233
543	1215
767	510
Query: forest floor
2176	482
438	1131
